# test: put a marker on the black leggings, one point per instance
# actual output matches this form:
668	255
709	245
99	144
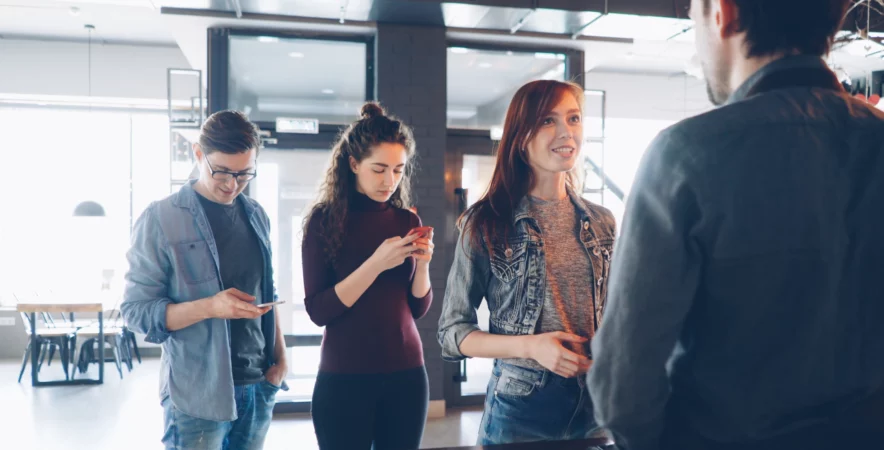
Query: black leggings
354	411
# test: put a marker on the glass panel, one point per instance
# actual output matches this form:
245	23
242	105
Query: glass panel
303	365
150	160
481	83
476	176
618	155
274	77
286	185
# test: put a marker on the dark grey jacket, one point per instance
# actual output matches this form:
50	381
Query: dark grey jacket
747	290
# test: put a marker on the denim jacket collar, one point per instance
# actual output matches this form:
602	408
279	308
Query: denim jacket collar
186	198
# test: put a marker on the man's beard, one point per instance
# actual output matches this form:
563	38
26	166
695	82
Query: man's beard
718	94
715	96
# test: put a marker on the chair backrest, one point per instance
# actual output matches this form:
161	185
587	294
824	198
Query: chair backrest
26	322
47	317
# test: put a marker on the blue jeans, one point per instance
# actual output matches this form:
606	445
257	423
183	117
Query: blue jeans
526	405
254	409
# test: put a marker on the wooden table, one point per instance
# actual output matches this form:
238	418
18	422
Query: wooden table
32	307
583	444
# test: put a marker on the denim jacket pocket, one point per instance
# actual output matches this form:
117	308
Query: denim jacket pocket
508	261
194	261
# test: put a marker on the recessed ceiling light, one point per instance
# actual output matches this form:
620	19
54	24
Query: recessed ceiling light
459	50
328	91
268	39
540	55
246	78
74	11
296	55
509	53
485	65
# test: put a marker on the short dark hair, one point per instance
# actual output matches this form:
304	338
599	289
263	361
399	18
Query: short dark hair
786	26
229	132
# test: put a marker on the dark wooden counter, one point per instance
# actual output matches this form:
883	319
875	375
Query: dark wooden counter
558	445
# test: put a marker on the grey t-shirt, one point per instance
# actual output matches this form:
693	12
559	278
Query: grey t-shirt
568	301
242	267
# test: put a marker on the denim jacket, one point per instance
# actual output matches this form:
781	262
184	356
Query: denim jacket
513	278
174	259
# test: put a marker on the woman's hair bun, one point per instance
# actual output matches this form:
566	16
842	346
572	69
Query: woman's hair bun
371	110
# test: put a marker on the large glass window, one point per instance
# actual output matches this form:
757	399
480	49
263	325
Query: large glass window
57	159
621	152
481	83
274	77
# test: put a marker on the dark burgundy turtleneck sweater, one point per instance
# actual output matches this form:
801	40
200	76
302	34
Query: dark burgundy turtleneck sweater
377	334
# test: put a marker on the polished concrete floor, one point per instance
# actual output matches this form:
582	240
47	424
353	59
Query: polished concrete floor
126	414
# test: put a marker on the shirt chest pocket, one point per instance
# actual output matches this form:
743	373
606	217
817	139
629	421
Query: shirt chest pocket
194	262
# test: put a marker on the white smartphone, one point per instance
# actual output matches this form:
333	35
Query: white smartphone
267	305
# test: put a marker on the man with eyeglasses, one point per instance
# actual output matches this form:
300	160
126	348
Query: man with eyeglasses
200	266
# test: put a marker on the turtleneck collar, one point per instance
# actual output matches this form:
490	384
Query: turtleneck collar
361	202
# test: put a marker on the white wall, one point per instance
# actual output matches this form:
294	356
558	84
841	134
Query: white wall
61	68
651	97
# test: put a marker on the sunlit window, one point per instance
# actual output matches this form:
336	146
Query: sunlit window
56	159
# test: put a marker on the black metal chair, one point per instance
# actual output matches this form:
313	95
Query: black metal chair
48	339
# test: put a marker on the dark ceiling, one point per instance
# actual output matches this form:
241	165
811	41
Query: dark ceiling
551	16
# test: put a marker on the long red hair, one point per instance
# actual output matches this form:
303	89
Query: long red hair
491	218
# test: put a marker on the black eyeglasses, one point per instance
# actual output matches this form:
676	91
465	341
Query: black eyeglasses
223	175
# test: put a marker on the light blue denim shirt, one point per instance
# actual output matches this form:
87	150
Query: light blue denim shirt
174	259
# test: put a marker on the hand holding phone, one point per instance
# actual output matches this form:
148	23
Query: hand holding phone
422	232
423	245
232	304
267	305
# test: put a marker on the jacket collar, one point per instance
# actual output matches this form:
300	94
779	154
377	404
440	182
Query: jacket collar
186	198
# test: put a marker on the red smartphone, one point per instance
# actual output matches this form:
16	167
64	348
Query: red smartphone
422	231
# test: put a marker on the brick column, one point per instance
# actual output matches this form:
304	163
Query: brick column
411	84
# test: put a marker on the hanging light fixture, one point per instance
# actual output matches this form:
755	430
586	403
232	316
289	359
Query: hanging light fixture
89	28
89	208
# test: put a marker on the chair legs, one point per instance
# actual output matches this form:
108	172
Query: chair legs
24	360
47	345
51	354
123	345
131	339
116	350
91	350
44	347
63	349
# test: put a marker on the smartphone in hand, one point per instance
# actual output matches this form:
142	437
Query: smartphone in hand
267	305
424	232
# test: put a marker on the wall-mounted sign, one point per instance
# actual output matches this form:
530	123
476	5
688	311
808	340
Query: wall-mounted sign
295	125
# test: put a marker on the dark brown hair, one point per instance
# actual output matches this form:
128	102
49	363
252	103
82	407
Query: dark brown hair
357	141
229	132
786	26
491	218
